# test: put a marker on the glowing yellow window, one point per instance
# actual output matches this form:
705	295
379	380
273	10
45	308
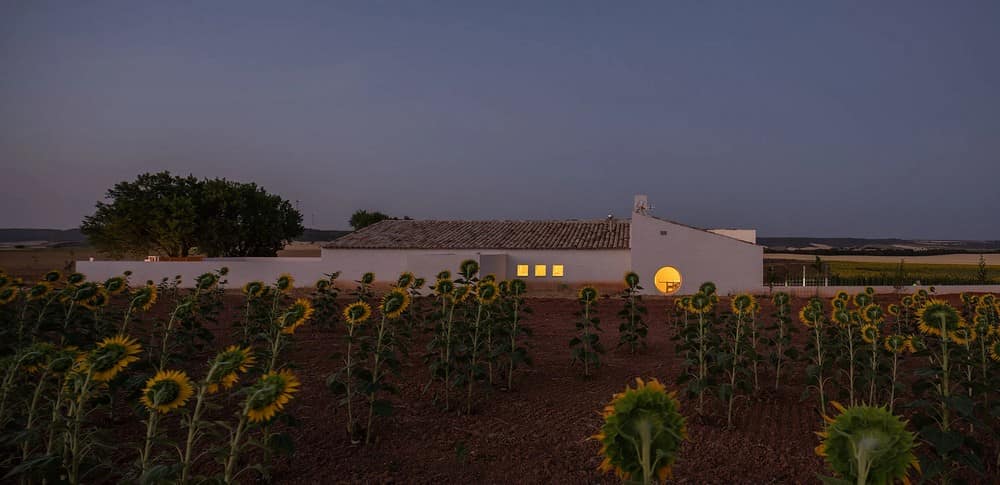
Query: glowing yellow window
522	270
557	270
539	270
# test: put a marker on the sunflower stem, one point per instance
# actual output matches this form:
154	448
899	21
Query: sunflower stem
150	435
472	361
375	377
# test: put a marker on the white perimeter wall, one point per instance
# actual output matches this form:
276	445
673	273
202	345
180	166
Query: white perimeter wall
733	265
579	265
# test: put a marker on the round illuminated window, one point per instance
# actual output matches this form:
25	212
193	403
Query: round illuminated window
667	280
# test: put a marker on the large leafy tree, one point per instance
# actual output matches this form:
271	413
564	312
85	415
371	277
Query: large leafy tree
171	215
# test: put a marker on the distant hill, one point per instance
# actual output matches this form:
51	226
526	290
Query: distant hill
888	247
64	237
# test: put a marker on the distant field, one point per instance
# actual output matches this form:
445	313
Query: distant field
885	273
31	263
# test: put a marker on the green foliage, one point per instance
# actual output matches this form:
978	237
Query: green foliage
867	444
363	218
633	329
700	345
171	215
586	344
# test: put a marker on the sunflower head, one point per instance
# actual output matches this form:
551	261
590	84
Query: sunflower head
297	315
871	438
869	333
444	287
518	287
468	268
253	289
936	315
285	283
322	284
631	280
963	335
418	283
862	299
646	418
206	281
52	276
811	313
357	312
838	304
994	350
228	365
780	298
842	317
405	279
166	391
116	284
842	296
40	290
895	343
99	299
111	356
394	303
145	298
489	278
368	278
76	278
701	302
893	309
907	301
36	357
743	303
8	294
270	395
444	275
707	288
487	292
587	294
872	313
461	293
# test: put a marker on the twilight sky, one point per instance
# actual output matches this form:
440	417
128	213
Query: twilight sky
869	119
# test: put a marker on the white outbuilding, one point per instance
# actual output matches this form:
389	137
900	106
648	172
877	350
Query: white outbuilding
668	256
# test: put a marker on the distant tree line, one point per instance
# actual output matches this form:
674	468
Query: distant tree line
160	213
363	218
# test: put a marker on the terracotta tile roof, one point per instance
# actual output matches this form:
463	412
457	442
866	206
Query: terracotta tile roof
408	234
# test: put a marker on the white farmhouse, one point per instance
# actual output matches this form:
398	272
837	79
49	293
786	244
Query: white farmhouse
669	257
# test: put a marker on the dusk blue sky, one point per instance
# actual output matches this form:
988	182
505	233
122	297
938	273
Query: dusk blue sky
869	119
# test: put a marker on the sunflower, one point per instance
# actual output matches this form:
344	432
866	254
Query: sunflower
842	296
228	365
468	268
646	418
206	281
322	284
116	284
910	344
895	344
893	309
488	292
405	279
707	288
995	350
368	278
444	275
100	299
36	357
872	313
52	276
841	317
838	304
461	293
963	335
701	302
75	278
40	290
490	278
871	439
811	313
253	289
587	294
869	333
357	312
907	301
285	283
444	287
146	297
743	304
296	316
631	279
418	283
518	287
936	315
270	394
394	303
780	298
862	300
111	356
166	391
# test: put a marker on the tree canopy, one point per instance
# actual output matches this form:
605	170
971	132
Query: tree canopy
172	215
363	218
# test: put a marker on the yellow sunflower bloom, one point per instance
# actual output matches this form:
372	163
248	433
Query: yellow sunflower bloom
285	283
587	294
253	289
357	312
296	316
995	350
487	293
869	333
111	356
166	391
937	314
394	303
146	297
270	395
228	365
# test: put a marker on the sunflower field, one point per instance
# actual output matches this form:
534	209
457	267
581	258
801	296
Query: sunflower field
195	382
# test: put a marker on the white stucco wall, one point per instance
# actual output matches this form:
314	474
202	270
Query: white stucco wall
733	265
748	235
579	265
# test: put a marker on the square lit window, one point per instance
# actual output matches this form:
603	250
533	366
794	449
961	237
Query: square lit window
557	270
539	270
522	270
